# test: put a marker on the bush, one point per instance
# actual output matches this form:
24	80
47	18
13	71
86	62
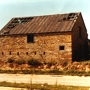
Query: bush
64	64
20	62
33	62
55	71
51	63
10	60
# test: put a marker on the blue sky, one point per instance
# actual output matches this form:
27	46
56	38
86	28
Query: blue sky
23	8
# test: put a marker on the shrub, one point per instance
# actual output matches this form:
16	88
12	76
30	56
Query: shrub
64	64
55	71
20	62
10	60
50	63
34	62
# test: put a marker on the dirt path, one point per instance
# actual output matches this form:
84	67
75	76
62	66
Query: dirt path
10	88
63	80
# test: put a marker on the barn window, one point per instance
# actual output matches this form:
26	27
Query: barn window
79	29
61	47
30	38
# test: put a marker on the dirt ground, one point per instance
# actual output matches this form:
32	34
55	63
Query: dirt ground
10	88
50	79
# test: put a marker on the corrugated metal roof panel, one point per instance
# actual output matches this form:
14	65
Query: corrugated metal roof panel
70	25
40	24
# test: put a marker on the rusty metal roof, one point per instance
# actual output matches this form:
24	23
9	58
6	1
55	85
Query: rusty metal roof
40	24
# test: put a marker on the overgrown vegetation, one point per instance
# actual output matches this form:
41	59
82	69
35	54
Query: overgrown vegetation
20	62
10	60
34	66
31	62
86	62
46	72
45	86
34	62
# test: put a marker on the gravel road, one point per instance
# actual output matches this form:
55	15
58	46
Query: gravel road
50	79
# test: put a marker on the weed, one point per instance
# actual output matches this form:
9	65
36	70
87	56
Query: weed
10	60
20	62
34	62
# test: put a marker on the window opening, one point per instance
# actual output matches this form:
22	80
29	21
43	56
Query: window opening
61	47
30	38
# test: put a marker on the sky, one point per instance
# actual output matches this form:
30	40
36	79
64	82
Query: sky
24	8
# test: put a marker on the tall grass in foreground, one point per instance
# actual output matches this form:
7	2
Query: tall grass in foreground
45	86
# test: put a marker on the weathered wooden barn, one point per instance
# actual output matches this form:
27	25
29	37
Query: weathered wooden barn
60	37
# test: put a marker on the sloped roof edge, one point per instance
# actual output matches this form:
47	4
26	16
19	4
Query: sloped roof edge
40	24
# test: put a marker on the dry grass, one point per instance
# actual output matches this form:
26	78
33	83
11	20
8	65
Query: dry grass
45	86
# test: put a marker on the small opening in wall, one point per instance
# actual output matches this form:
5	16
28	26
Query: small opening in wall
43	53
35	53
61	47
2	53
17	53
30	38
26	53
10	53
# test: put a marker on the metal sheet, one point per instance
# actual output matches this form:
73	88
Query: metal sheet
40	24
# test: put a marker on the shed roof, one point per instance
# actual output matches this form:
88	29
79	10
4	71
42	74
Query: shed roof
40	24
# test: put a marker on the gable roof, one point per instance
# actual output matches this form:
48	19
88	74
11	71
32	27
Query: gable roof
40	24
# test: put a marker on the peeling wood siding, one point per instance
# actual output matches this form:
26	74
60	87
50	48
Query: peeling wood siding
45	46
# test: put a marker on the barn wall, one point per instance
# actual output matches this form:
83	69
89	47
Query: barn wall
45	47
79	39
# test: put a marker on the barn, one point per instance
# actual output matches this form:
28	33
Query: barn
48	38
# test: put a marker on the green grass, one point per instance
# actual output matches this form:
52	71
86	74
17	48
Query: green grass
42	86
